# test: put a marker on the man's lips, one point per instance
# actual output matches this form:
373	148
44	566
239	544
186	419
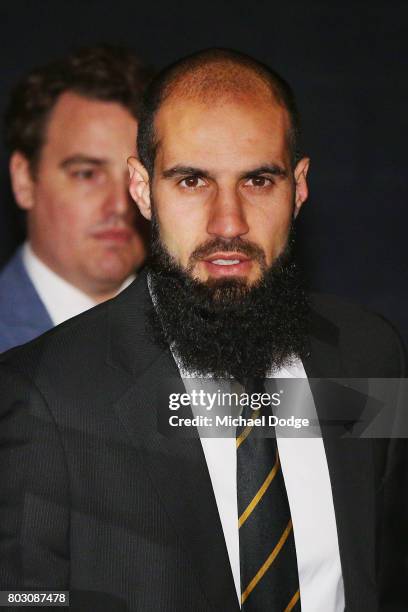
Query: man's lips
114	235
227	264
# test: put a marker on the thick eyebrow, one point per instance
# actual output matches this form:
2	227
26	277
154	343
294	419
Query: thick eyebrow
180	170
184	171
273	169
83	159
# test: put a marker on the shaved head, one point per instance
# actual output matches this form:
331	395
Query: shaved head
214	76
219	78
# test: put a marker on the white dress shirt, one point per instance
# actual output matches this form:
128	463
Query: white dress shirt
61	299
307	480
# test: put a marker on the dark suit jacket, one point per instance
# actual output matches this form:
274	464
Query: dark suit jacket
94	499
23	315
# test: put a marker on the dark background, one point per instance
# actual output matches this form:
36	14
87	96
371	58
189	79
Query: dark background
348	65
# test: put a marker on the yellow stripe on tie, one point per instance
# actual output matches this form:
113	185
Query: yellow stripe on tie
262	571
247	430
250	508
293	602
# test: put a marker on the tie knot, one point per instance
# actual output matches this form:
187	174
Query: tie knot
254	385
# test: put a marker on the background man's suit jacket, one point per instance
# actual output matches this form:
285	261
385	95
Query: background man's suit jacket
23	315
94	499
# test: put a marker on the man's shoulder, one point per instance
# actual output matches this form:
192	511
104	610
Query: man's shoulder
13	271
72	336
22	313
350	317
80	343
366	339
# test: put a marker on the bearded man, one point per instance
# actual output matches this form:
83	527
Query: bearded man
96	497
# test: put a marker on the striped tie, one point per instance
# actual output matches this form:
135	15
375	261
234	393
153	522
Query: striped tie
269	574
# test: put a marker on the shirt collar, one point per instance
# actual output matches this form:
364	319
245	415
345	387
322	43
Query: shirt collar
61	299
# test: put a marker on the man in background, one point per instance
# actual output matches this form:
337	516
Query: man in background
70	126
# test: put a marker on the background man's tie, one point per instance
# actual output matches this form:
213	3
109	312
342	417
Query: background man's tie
269	573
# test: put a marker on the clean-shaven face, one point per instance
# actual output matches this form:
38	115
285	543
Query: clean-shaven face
82	222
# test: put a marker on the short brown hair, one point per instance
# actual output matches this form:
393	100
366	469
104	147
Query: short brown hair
103	72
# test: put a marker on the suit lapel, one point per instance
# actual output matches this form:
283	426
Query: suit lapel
351	469
176	466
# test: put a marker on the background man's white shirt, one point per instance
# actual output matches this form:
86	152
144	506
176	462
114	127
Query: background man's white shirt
61	299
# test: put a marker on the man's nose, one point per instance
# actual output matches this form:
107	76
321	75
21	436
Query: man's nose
227	217
117	200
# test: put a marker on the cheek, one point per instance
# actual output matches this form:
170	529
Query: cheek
178	237
270	231
182	225
67	223
63	217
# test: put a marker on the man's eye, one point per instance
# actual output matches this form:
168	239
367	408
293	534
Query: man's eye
192	182
84	175
259	181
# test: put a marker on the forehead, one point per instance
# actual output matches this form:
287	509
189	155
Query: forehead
78	122
239	131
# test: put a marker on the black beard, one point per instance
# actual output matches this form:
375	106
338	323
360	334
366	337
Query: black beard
224	327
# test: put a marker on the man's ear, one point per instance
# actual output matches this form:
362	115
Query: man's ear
22	180
139	186
301	189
